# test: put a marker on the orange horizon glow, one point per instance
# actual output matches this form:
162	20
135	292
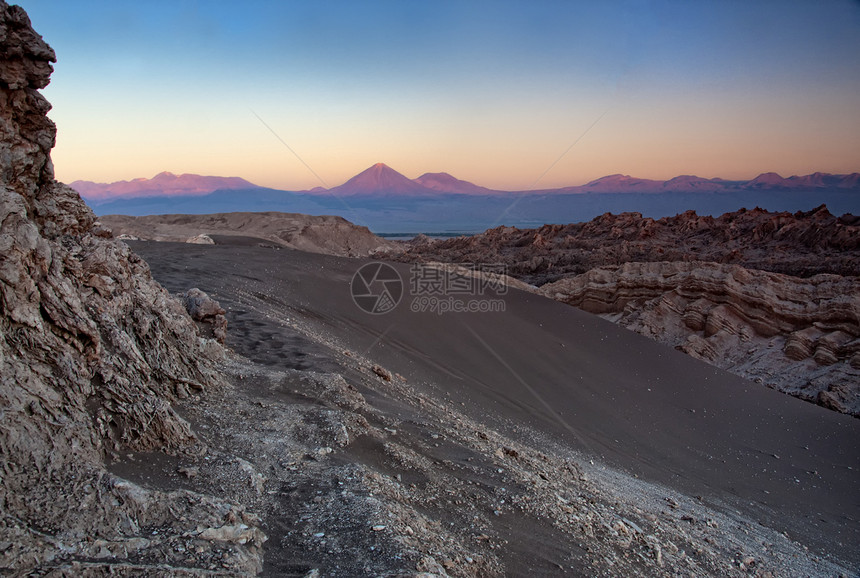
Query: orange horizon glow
671	90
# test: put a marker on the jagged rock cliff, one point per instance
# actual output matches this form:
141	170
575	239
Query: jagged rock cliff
92	353
799	244
801	336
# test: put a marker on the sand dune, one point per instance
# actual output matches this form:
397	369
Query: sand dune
545	371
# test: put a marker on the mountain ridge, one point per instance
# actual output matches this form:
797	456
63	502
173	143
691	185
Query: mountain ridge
382	181
163	184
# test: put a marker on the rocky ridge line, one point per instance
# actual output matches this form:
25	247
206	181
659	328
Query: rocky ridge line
92	354
800	244
316	234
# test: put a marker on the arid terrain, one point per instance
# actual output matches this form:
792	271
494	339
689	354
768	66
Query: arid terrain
520	455
772	297
320	440
799	244
326	234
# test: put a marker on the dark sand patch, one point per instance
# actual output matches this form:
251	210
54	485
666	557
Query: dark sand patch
545	368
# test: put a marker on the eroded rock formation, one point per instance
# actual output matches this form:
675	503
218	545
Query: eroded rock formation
799	244
316	234
92	353
768	296
801	336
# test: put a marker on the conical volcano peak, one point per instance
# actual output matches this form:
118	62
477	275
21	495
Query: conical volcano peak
380	179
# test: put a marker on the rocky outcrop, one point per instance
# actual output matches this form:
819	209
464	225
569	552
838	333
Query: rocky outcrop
801	336
197	240
769	296
800	244
316	234
92	354
206	310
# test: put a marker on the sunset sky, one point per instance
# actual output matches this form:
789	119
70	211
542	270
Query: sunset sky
492	92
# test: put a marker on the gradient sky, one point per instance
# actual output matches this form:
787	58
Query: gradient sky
493	92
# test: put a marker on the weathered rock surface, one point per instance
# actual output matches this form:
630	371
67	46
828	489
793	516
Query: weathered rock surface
801	336
799	244
92	353
200	306
768	296
200	240
203	308
324	234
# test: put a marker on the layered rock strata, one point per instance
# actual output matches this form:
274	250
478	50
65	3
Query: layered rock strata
768	296
801	336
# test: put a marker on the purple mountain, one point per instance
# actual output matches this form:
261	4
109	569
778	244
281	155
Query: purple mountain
811	182
381	180
161	185
445	183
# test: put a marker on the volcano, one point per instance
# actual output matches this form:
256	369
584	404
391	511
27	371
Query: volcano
381	180
445	183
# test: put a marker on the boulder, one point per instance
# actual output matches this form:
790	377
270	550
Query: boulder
199	305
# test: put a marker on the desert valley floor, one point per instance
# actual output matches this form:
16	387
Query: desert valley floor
148	430
682	443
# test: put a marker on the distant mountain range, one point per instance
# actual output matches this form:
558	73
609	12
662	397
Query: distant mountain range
690	184
381	181
161	185
388	202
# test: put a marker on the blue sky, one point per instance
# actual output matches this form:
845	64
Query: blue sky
492	92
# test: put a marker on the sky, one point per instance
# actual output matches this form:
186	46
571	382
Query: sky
507	94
